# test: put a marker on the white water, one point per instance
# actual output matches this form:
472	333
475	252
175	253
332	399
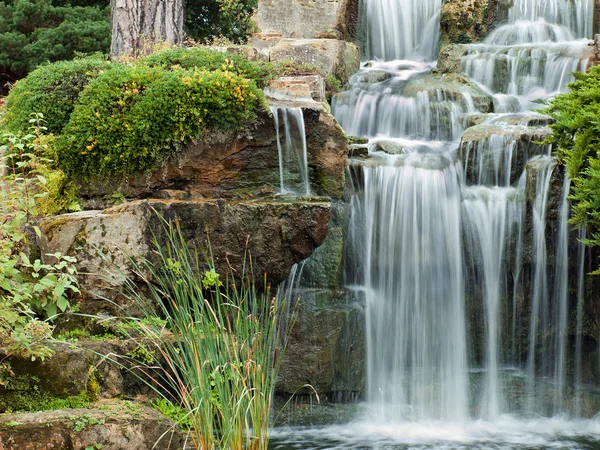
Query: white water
402	29
466	275
293	154
533	55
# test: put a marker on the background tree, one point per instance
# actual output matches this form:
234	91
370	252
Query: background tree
37	31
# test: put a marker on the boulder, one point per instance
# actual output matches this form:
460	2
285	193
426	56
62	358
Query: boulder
450	58
277	234
334	56
302	19
115	425
467	21
297	87
232	165
326	349
451	87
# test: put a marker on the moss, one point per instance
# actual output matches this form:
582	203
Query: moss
31	401
22	393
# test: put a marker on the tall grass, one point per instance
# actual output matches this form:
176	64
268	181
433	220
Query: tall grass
222	343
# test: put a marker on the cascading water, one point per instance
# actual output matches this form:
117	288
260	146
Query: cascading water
459	238
533	55
291	146
402	29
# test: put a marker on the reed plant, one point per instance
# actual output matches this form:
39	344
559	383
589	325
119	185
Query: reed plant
220	343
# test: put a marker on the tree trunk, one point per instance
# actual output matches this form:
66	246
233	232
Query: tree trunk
138	24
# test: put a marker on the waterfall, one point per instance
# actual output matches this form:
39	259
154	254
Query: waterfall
293	154
575	15
533	56
459	238
402	29
413	285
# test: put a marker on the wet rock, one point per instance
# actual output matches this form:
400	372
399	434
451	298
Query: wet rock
449	87
277	234
389	147
534	169
115	425
492	153
330	55
358	150
374	76
450	58
327	346
466	21
85	368
231	165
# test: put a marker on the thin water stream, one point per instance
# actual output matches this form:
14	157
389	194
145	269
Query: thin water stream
459	239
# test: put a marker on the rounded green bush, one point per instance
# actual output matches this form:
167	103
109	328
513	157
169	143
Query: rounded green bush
52	90
206	59
131	118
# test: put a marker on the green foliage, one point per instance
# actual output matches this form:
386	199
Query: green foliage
211	279
223	352
52	90
576	139
80	423
133	117
33	32
210	60
29	288
174	412
207	20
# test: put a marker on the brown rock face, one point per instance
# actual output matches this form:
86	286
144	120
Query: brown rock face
277	234
238	165
114	425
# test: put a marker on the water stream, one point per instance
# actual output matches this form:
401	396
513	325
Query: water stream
460	242
291	146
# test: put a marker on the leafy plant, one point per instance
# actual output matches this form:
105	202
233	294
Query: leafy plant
30	288
207	20
576	140
222	353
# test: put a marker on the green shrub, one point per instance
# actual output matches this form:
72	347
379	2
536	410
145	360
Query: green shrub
189	58
52	90
132	117
576	139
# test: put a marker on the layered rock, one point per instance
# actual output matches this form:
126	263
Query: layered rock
115	425
277	234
